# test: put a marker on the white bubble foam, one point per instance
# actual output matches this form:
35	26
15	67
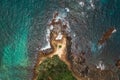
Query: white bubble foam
81	4
101	65
59	37
67	9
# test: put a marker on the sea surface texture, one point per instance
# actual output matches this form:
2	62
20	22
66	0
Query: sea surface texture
23	28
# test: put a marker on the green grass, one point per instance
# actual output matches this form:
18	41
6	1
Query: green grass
60	46
55	69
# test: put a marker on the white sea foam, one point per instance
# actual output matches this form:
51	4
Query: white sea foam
48	35
51	27
114	31
59	37
47	46
67	9
57	18
74	35
92	5
81	4
101	65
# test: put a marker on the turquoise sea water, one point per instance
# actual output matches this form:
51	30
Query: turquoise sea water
22	29
16	18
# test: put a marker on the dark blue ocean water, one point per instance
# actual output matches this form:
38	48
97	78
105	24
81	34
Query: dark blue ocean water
22	26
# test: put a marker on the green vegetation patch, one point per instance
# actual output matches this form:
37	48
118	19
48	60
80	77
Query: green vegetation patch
60	46
54	69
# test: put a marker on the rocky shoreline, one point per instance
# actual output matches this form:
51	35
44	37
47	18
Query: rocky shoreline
61	46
